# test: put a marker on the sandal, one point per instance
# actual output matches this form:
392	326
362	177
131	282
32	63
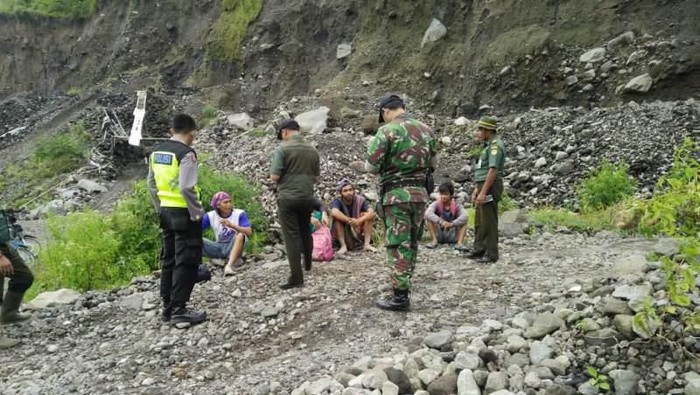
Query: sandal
431	245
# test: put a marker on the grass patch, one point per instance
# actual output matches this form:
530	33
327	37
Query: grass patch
53	155
59	153
606	186
593	221
506	204
60	9
230	29
209	114
75	91
90	250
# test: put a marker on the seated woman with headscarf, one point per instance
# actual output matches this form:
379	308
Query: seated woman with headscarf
231	231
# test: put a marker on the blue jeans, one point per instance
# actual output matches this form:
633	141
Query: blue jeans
220	250
446	236
217	250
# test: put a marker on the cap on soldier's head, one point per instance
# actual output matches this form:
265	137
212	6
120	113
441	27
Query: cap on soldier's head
389	101
288	123
488	123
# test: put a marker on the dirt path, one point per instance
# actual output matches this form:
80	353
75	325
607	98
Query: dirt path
113	342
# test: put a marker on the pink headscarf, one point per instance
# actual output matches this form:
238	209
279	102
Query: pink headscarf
218	198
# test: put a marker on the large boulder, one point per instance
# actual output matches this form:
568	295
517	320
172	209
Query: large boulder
343	51
314	121
544	324
92	186
241	121
641	83
435	31
594	55
444	385
48	299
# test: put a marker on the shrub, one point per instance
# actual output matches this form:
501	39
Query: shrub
59	153
85	253
75	91
606	186
674	209
52	155
506	204
231	27
135	220
62	9
208	114
89	250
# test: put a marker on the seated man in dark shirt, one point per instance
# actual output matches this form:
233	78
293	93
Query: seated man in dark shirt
352	219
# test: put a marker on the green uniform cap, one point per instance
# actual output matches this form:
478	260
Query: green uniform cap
488	123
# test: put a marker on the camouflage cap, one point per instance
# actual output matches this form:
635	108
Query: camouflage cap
488	123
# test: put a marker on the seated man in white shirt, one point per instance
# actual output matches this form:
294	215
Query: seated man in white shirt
447	219
231	231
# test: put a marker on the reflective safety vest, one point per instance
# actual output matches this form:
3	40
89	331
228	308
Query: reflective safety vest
165	164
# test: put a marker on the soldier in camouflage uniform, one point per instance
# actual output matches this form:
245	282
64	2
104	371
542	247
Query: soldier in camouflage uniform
488	191
402	152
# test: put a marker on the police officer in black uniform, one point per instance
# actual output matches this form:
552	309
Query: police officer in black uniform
172	183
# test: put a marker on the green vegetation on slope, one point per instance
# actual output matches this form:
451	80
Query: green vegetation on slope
62	9
230	29
90	250
606	186
52	156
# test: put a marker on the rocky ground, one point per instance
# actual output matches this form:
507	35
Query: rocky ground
534	321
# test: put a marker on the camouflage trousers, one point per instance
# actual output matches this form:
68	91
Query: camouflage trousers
404	229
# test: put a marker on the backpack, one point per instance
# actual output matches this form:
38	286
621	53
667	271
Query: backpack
323	245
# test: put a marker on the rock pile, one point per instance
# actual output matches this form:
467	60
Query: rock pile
553	150
549	151
544	351
629	63
626	67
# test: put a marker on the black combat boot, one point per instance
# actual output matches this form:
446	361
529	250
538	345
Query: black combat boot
167	311
398	302
182	315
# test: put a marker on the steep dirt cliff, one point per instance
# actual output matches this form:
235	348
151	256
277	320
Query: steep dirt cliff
512	53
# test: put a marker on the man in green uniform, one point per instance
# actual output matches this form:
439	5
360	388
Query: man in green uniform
295	167
488	191
402	152
172	183
21	278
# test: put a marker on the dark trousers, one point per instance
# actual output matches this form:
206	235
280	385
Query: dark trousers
295	216
22	278
180	256
486	222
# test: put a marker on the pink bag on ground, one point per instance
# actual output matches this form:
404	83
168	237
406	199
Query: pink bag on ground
323	244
